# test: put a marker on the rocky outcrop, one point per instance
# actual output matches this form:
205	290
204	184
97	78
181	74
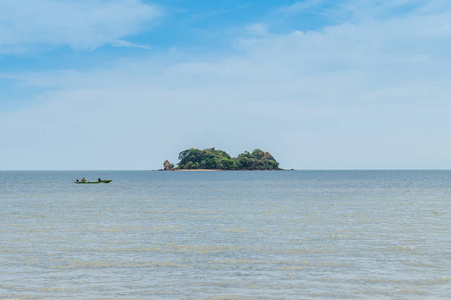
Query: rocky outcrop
168	166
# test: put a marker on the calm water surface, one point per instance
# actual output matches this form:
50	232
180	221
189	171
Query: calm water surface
226	235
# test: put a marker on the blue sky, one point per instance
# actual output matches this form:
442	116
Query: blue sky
127	84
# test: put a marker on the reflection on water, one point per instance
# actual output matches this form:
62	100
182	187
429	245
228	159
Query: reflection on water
226	235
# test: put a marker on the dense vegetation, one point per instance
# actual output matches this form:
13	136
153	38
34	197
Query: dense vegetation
217	159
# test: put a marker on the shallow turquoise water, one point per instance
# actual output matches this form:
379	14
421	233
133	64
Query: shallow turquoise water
171	235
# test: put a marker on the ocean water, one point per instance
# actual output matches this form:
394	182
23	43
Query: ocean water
226	235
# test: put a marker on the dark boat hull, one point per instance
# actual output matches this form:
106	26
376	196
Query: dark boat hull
91	182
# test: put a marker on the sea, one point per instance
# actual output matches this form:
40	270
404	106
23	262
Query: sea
226	235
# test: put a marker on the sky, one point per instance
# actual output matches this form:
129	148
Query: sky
320	84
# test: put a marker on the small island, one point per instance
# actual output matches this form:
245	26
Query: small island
212	159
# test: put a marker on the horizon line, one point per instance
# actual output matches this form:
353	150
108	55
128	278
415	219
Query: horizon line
151	170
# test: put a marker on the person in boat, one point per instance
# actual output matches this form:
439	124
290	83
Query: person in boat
100	180
77	181
83	180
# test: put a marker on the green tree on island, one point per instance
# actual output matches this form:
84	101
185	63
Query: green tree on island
211	158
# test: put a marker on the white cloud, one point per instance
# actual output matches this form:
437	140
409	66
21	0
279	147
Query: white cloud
391	50
208	14
122	43
372	94
299	7
257	29
85	24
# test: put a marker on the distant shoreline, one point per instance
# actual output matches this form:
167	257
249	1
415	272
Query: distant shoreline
219	170
196	170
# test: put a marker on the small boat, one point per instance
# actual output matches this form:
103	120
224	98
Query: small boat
101	181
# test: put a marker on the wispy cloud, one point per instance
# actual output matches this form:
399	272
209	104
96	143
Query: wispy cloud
207	14
85	24
361	10
123	43
257	29
298	7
